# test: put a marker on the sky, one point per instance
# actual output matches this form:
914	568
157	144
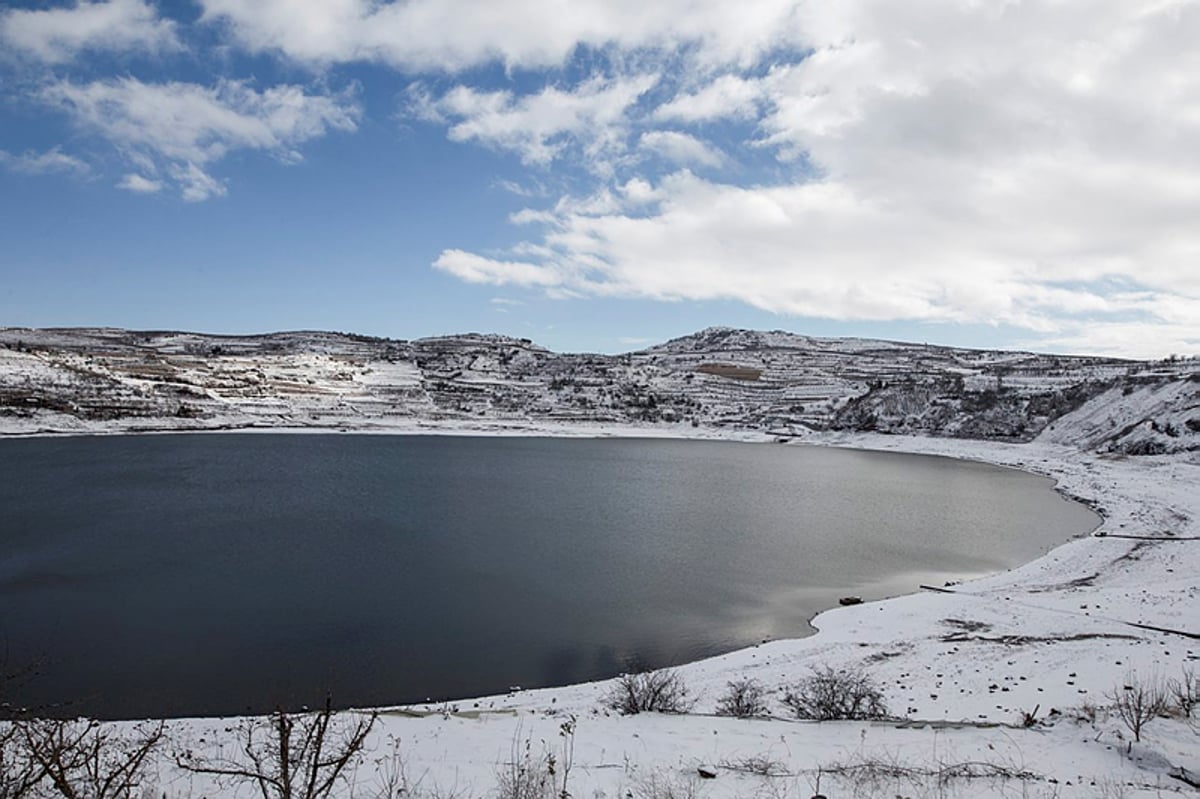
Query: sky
600	175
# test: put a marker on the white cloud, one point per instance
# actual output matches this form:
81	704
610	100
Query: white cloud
456	34
57	35
504	304
140	184
637	191
528	189
538	127
35	163
680	148
1029	164
726	96
183	128
477	269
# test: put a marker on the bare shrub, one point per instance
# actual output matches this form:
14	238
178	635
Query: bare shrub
566	732
544	775
391	773
664	785
743	698
83	759
889	776
660	691
1085	713
829	694
758	765
526	775
290	755
1185	692
1138	701
393	781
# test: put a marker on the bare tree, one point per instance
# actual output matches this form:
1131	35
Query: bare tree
1185	691
83	759
1138	702
743	698
290	755
828	694
18	773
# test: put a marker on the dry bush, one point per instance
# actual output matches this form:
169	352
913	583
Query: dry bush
666	785
391	773
869	776
1085	713
743	698
758	765
1138	701
82	759
660	691
541	775
290	755
829	694
526	775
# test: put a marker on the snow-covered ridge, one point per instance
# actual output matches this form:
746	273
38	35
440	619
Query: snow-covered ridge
110	380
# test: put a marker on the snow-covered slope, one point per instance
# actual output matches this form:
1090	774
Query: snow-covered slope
100	380
1149	414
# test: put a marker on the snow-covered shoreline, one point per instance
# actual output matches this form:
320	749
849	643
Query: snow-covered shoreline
1050	637
415	427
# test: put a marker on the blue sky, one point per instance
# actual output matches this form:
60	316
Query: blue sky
607	173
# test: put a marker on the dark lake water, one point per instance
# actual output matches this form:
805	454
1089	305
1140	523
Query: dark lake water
211	574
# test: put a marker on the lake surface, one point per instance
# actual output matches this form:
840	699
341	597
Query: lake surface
214	574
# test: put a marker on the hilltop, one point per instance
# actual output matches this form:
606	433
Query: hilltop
722	379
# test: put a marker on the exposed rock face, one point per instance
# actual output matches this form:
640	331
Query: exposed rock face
777	382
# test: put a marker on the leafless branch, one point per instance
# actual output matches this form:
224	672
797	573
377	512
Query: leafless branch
291	755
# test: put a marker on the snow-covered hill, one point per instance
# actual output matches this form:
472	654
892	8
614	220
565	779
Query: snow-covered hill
79	380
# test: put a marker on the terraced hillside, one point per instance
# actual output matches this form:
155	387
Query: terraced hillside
76	380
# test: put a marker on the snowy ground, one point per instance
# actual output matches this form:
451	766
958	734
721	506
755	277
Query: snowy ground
1050	638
